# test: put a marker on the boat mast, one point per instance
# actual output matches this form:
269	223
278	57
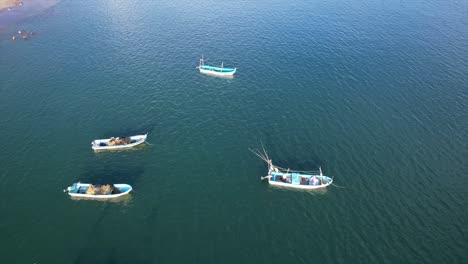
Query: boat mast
201	61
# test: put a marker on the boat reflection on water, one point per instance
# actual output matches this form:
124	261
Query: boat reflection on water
126	199
135	148
319	191
219	76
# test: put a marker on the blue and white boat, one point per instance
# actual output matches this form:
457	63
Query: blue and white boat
118	143
278	176
297	180
218	71
87	190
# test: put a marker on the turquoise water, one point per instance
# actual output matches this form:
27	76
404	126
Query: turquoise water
375	92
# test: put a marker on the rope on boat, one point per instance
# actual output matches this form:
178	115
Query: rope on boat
264	156
338	186
148	143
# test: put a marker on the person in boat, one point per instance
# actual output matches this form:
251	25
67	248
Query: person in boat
286	178
315	181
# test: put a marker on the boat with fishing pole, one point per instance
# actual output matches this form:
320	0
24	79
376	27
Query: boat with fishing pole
218	71
278	176
118	142
108	191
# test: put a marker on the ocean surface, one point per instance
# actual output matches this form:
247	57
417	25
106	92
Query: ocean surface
374	92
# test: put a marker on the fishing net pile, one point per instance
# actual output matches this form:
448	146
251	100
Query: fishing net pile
96	190
118	141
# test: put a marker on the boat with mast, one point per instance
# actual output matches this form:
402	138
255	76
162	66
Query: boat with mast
218	71
278	176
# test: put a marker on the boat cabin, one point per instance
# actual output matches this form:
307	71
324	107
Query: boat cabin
297	179
216	69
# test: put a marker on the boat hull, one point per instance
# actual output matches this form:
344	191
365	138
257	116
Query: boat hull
97	144
217	73
210	70
124	188
298	186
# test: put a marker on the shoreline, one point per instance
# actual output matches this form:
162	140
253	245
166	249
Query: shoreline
14	11
7	3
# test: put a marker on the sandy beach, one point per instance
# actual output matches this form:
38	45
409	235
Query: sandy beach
20	9
7	3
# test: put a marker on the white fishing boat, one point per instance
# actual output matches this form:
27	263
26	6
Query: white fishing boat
218	71
118	143
298	180
87	190
307	180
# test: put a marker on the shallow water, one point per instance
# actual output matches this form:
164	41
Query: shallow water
375	92
15	15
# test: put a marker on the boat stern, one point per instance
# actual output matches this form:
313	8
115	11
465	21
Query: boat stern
95	144
328	180
72	189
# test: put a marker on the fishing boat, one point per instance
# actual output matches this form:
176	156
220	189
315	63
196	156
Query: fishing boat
118	143
87	190
278	176
218	71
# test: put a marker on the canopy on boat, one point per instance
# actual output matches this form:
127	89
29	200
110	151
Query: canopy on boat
218	69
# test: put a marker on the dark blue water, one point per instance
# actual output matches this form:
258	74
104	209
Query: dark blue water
375	92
